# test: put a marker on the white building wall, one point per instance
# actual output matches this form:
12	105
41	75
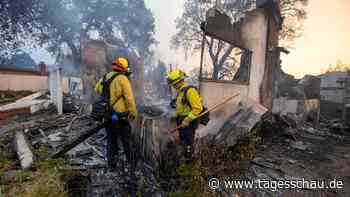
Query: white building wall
29	82
254	33
214	93
331	90
23	82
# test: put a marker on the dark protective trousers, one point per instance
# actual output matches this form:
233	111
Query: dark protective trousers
121	131
187	136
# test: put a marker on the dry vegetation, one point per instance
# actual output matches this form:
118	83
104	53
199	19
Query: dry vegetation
214	161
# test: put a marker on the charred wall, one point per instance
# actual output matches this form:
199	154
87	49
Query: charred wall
251	33
272	62
96	58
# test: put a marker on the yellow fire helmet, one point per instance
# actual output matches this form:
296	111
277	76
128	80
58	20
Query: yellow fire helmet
121	64
176	76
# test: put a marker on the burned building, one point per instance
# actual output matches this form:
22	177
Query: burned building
253	39
335	94
96	58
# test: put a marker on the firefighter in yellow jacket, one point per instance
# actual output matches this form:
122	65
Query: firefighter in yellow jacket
188	108
123	106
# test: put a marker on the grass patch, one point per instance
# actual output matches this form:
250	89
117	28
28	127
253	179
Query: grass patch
46	183
7	155
190	181
46	179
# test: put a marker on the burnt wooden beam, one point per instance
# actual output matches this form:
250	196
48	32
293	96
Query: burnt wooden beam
77	141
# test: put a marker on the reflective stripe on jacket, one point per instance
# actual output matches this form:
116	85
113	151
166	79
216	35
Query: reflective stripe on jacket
120	88
193	108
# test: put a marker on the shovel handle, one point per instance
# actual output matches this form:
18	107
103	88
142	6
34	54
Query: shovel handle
211	109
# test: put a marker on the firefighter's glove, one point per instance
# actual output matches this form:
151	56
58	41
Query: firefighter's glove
131	117
186	122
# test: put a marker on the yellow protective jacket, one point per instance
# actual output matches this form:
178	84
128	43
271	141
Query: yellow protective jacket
120	88
194	106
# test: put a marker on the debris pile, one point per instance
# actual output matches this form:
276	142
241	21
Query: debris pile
250	145
306	154
27	105
298	97
11	96
60	135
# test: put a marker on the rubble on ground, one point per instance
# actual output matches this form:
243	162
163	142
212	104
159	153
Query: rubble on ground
240	123
300	97
26	105
53	133
314	154
251	145
11	96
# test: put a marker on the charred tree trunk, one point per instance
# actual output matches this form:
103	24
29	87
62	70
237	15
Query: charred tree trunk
216	71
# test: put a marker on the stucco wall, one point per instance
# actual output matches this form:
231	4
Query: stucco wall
33	83
214	93
254	32
22	82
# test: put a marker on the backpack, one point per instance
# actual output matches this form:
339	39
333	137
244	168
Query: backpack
205	118
102	110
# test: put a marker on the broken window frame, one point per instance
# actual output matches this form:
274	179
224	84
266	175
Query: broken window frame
205	79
